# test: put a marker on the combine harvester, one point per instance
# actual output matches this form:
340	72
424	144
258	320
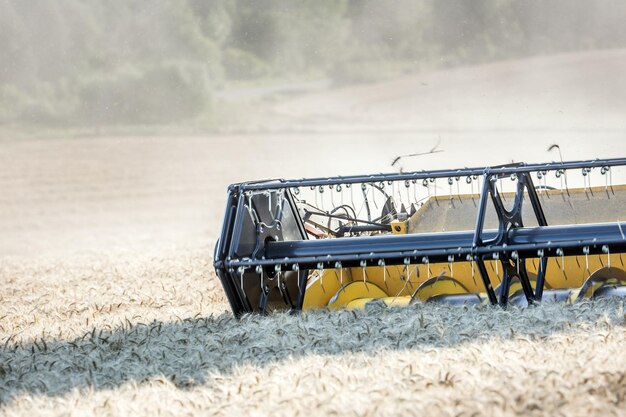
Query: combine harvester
518	234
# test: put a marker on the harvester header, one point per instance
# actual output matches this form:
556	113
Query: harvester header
516	233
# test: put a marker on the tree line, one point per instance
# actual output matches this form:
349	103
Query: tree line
86	62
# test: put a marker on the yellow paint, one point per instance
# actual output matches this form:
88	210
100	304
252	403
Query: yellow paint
399	282
322	287
439	286
398	227
393	283
354	291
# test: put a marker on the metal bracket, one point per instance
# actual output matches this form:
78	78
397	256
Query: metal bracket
508	219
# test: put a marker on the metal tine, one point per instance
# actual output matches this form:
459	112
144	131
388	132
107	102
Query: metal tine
340	278
562	174
607	251
566	184
364	267
264	292
470	258
241	270
263	301
279	273
496	257
365	202
559	252
515	256
339	189
296	192
608	179
426	262
391	184
586	252
540	180
541	272
559	174
381	263
280	201
399	192
470	180
321	192
340	274
253	214
349	186
407	262
320	269
587	180
542	177
372	188
296	269
450	262
280	204
407	186
514	178
417	274
259	270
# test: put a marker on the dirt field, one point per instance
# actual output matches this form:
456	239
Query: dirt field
110	306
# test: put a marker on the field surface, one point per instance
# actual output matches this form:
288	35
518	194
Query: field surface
109	304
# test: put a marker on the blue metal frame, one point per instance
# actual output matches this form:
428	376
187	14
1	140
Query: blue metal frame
445	173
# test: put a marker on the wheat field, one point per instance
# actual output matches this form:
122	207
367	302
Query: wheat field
109	304
151	336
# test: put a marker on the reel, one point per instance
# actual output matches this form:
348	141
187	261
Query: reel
515	233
